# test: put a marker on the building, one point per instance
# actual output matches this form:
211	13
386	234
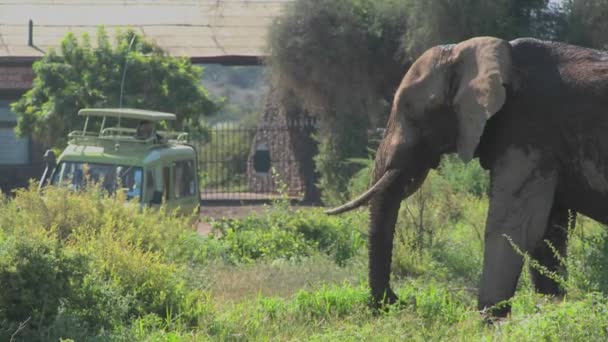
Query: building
229	32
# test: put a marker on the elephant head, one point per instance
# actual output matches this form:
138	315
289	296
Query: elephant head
441	106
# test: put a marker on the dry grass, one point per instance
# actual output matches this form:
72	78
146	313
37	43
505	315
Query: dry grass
279	278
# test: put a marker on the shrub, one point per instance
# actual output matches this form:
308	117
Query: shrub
290	234
94	262
587	258
36	276
583	320
465	178
440	229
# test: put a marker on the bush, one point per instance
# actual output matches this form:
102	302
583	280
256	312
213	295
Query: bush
440	227
87	267
587	258
289	234
94	262
36	276
91	265
468	178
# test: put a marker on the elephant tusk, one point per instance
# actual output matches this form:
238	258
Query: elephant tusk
381	185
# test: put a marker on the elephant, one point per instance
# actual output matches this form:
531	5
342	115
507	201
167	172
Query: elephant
535	114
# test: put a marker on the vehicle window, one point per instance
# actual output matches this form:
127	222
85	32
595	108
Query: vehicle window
183	179
131	179
76	175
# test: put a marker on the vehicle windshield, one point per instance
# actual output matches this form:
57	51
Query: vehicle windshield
76	175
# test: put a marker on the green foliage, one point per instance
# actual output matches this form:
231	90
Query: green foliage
332	163
36	275
461	178
90	268
82	74
78	263
329	302
588	272
439	221
291	235
311	49
584	23
437	22
581	320
468	178
440	231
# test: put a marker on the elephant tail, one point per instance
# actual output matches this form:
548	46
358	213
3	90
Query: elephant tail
387	179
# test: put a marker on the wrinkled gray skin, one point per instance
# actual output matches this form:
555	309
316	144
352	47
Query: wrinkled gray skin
535	113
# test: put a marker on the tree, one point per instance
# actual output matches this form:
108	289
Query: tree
344	59
80	76
433	22
585	23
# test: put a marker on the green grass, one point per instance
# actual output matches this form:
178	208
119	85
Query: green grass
89	268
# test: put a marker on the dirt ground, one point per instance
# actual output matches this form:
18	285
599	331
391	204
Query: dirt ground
217	212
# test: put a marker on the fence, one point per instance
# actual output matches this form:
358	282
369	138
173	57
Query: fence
240	162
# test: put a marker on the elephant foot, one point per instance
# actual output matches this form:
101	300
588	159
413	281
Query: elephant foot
382	299
546	286
495	313
552	290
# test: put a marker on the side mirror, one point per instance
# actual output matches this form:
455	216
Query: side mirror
50	161
157	197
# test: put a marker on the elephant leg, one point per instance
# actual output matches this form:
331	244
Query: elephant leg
520	202
384	210
557	237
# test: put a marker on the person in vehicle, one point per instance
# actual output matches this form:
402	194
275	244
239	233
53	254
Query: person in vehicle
144	130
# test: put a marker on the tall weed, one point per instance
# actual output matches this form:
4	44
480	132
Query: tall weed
92	261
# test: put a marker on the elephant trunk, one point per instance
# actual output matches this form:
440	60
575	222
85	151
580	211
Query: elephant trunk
384	209
388	178
381	185
396	179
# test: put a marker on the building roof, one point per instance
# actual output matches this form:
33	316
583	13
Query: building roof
204	30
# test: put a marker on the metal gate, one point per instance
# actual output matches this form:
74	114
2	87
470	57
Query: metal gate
240	162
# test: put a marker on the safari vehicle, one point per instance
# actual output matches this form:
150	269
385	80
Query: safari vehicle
149	166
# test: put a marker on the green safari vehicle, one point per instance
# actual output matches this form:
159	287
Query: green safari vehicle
151	167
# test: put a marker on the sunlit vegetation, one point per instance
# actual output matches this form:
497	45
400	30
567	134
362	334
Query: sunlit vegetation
87	267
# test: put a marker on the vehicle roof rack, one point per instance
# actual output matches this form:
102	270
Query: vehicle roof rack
127	113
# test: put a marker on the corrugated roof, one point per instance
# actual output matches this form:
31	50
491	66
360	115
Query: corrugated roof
191	28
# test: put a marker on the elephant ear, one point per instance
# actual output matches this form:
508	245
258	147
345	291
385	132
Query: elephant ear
483	68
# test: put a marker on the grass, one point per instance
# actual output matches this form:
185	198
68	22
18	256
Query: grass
279	278
88	268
